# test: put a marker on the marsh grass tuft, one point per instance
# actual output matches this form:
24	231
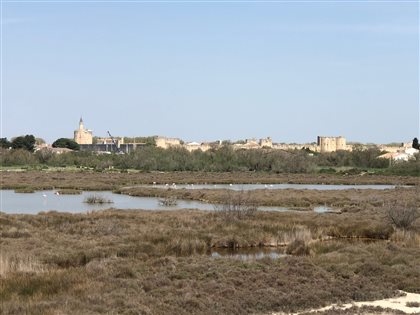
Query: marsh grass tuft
96	199
24	190
168	201
407	238
297	248
412	304
69	191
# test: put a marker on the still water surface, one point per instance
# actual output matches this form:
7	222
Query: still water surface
247	254
47	200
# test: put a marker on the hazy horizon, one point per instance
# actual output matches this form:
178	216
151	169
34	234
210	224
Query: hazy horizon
212	71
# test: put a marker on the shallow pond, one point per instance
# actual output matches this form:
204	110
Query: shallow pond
270	186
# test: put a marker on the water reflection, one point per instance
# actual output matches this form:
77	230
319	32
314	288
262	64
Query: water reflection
325	209
247	254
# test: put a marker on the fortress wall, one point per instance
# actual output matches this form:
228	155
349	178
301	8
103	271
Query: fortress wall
162	142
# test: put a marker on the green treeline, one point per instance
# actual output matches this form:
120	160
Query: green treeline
26	142
224	159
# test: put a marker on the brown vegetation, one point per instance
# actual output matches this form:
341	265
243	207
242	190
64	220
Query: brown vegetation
69	191
156	262
236	206
402	213
352	200
24	190
89	180
95	199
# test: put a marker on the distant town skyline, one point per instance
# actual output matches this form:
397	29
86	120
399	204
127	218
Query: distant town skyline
203	71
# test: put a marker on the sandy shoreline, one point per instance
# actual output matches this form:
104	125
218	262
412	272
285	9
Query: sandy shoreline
399	303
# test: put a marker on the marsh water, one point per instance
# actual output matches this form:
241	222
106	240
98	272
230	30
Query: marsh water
48	200
246	254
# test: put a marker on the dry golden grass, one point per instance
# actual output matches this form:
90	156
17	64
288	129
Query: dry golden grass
407	238
19	264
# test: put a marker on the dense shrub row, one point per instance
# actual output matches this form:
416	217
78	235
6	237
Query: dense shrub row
223	159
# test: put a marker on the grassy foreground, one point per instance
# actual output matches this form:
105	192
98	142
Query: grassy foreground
143	262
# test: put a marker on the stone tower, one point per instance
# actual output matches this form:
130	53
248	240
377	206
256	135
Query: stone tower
267	142
82	135
331	144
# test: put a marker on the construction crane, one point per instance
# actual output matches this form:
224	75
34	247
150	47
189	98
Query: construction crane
115	144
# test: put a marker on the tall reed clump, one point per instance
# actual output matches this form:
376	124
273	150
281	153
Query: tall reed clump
186	246
12	264
408	238
237	206
297	232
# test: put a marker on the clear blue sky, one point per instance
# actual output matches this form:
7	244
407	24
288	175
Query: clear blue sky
209	71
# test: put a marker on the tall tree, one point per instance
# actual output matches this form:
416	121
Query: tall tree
24	142
4	143
416	144
66	143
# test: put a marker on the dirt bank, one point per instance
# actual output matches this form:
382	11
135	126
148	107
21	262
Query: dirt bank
89	180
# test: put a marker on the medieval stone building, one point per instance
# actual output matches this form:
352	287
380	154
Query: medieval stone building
332	144
82	135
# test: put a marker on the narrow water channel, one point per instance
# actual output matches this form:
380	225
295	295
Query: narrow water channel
246	254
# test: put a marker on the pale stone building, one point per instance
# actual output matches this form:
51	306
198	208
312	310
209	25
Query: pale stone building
296	146
249	144
163	142
396	148
108	140
332	144
82	135
193	146
266	143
